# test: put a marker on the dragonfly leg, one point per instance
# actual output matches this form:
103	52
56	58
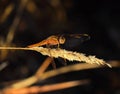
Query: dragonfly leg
64	62
58	45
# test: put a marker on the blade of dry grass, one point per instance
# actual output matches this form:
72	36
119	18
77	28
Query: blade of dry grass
46	88
69	55
16	21
44	66
6	13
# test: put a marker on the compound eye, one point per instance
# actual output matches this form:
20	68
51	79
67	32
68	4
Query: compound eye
61	40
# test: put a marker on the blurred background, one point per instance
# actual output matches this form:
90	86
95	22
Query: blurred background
25	22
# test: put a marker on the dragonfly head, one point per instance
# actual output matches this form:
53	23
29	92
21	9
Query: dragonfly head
61	40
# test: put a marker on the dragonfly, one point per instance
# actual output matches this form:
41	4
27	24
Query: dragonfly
60	39
57	40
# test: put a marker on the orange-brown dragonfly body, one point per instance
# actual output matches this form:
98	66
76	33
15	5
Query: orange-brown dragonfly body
57	40
52	40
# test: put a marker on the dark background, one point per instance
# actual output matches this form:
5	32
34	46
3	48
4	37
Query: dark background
98	18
